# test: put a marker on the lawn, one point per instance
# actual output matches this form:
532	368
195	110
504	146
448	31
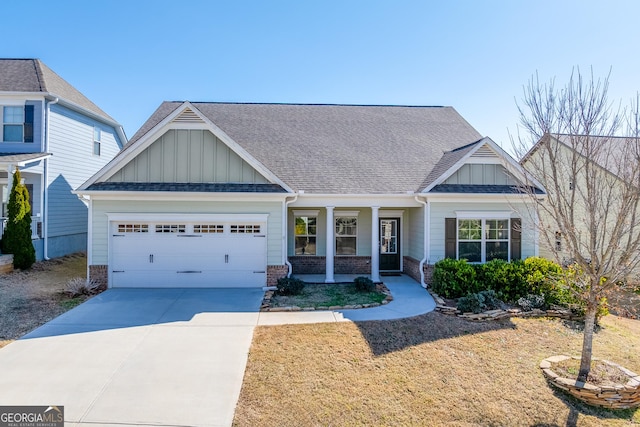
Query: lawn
32	297
427	370
321	295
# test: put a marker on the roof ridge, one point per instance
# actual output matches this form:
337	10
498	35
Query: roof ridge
39	75
468	145
310	104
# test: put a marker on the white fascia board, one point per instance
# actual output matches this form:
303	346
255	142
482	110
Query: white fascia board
72	105
239	150
21	96
180	195
185	217
25	162
356	200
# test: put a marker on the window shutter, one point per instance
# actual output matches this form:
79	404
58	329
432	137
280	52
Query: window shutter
516	238
28	123
450	240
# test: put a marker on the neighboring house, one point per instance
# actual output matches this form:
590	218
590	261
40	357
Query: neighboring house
224	194
613	163
57	138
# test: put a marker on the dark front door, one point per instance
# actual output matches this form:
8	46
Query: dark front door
389	244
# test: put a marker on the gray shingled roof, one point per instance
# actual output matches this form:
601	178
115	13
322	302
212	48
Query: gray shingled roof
338	148
32	75
187	186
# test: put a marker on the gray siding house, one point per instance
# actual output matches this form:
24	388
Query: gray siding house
57	138
221	194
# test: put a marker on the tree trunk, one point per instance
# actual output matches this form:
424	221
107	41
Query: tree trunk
587	340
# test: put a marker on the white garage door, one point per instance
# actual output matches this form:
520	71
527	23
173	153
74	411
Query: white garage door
200	254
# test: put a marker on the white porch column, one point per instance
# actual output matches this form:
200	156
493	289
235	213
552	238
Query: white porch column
331	226
375	244
10	171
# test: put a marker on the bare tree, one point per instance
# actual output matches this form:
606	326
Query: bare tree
586	154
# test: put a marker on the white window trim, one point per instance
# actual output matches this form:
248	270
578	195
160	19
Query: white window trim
305	214
97	141
483	214
345	214
483	239
2	122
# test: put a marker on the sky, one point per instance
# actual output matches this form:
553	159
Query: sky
476	55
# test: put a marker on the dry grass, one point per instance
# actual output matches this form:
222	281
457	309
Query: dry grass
323	295
427	370
32	297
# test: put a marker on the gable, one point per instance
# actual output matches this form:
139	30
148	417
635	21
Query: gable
188	155
482	174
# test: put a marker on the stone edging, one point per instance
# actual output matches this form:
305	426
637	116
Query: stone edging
621	396
442	307
266	302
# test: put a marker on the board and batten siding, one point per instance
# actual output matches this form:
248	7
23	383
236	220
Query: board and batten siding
485	174
71	164
188	155
100	221
440	211
415	227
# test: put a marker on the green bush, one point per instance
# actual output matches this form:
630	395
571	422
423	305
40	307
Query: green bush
508	279
544	277
16	239
479	302
454	278
289	286
364	284
491	300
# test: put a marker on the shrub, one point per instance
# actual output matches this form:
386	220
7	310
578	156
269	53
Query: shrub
473	303
491	300
479	302
16	239
289	286
543	277
531	301
80	286
454	278
506	278
364	284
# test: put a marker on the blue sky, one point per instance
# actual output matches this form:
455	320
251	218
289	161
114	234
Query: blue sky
129	56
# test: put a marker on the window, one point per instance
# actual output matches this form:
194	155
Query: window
97	136
12	124
558	241
346	232
208	228
248	229
133	228
481	240
305	235
170	228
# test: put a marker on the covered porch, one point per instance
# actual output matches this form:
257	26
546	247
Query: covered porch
332	242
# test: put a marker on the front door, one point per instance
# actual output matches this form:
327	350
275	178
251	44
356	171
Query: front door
389	244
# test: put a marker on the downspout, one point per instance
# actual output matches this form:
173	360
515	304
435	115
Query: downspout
89	238
425	234
285	232
45	217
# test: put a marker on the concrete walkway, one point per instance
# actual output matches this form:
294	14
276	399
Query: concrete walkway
161	357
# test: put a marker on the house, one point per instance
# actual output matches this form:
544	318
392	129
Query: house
58	139
231	194
592	196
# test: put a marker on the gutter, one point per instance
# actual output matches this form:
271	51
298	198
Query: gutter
45	217
285	234
425	234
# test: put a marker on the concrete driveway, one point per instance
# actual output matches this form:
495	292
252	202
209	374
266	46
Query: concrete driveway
138	357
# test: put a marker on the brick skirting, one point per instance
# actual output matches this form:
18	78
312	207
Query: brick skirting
275	272
341	264
412	269
98	274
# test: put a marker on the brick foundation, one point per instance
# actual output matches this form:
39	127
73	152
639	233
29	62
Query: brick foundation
275	272
98	273
341	264
412	269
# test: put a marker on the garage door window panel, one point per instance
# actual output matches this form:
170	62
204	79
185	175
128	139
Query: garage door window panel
171	228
